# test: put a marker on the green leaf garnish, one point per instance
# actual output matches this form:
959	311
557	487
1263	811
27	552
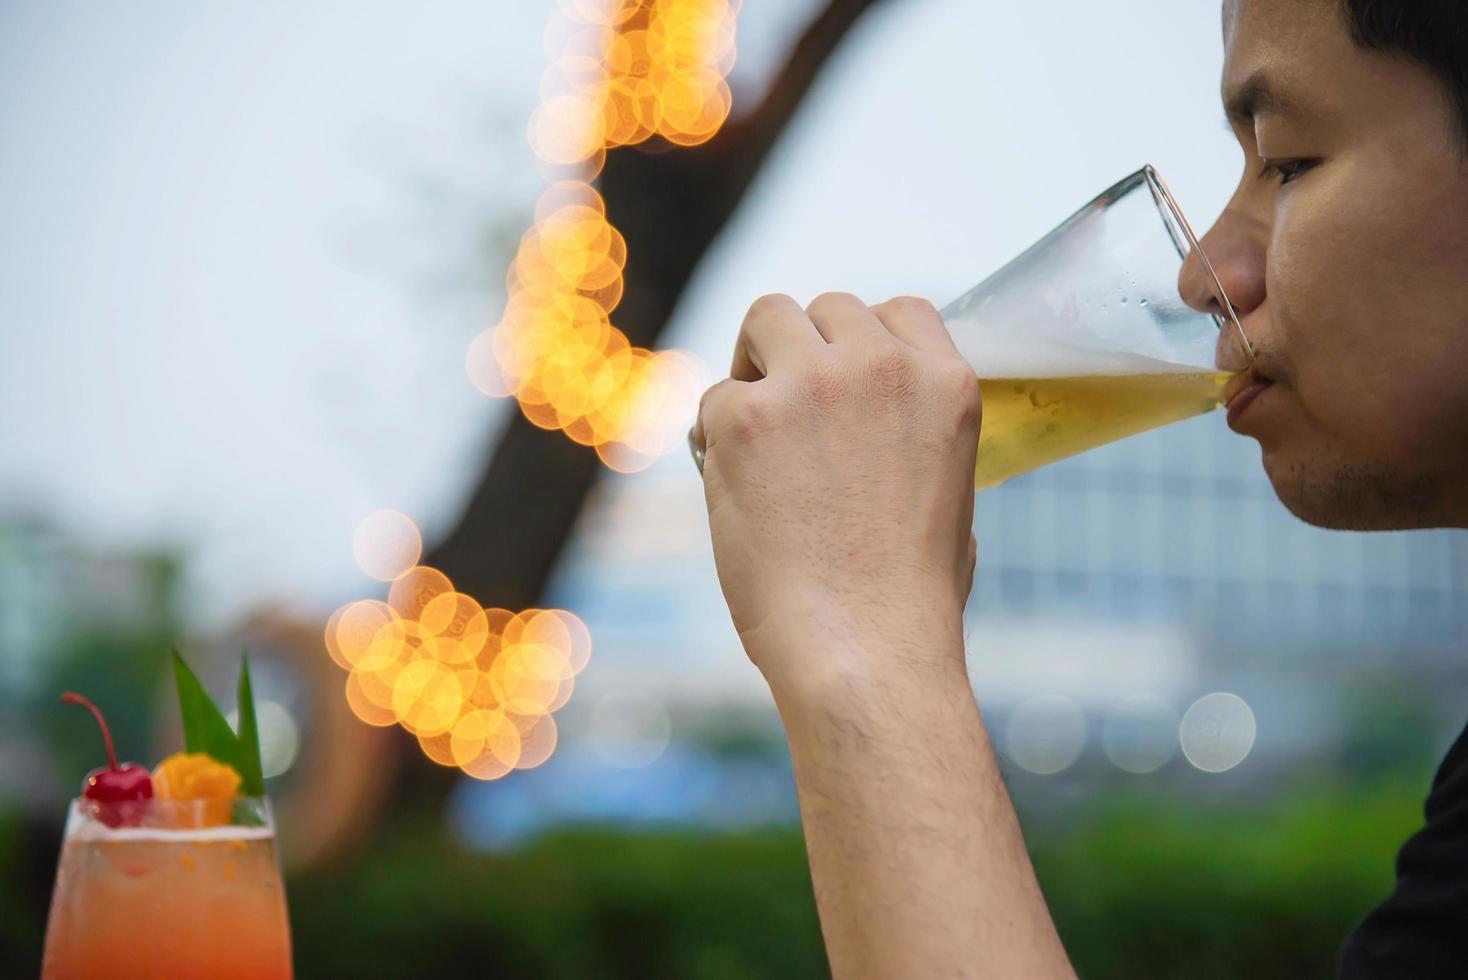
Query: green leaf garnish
206	730
252	778
205	727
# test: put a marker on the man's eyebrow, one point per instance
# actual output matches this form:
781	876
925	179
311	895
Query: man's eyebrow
1256	95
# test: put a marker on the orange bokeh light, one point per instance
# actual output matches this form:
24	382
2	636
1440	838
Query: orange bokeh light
537	740
438	748
486	744
366	710
332	646
476	687
427	697
622	72
415	589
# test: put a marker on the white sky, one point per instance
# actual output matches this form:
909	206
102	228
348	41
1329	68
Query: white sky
244	244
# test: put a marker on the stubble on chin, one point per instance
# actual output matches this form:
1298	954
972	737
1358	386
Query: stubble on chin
1358	497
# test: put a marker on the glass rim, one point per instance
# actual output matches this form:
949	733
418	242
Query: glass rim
158	801
1177	223
218	816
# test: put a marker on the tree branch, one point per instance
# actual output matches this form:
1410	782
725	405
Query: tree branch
670	205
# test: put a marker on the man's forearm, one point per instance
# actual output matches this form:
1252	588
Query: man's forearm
919	866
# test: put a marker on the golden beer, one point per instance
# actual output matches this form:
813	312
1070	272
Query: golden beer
1031	422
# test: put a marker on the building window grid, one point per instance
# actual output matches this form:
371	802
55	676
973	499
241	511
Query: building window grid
1189	507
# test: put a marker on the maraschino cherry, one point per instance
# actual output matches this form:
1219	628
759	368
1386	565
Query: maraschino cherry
113	787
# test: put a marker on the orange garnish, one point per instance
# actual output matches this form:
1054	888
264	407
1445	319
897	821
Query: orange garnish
201	778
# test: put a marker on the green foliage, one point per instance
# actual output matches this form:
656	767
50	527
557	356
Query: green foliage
587	905
1141	887
1144	889
120	670
21	917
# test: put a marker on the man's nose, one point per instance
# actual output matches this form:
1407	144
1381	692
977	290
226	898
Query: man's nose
1236	251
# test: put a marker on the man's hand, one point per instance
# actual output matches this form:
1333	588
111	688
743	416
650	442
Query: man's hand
839	480
839	476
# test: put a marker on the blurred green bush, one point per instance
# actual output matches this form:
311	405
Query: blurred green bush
1140	888
1148	891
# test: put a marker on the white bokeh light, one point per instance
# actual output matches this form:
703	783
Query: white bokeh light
629	731
1046	734
386	544
280	737
1140	734
1217	732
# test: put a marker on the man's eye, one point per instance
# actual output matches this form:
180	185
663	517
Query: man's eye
1285	171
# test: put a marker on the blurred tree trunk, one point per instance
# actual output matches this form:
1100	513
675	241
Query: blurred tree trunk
670	205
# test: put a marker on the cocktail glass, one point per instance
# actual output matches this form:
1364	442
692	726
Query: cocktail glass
184	889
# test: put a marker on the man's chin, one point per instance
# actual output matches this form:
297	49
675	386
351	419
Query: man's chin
1353	497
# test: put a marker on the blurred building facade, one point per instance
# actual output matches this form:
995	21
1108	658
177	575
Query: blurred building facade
1161	566
1182	526
1177	531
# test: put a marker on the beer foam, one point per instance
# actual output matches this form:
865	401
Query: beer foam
996	354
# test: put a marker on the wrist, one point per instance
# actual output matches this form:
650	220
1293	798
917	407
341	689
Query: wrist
879	727
850	677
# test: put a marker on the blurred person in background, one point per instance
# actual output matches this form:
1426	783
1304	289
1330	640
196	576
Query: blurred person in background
839	479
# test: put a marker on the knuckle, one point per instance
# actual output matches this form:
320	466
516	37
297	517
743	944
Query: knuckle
749	419
911	304
707	400
769	302
832	299
715	392
968	399
714	407
891	370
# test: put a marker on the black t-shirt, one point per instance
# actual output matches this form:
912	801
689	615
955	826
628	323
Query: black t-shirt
1422	929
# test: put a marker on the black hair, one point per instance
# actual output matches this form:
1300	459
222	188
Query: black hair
1434	33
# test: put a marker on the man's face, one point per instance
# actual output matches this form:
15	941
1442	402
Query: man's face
1345	251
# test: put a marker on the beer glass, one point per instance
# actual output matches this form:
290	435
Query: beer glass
1084	338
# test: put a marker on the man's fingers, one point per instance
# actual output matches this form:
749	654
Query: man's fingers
843	317
709	407
917	323
774	331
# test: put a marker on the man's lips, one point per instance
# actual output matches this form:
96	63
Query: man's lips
1241	391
